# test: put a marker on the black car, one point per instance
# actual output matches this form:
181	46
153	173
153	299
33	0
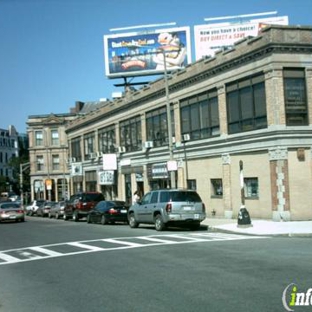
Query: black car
109	211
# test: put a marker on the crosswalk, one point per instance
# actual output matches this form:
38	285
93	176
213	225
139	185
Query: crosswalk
25	254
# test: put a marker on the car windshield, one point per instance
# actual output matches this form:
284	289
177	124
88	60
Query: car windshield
180	196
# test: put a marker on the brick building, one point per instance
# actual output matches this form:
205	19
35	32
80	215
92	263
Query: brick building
251	105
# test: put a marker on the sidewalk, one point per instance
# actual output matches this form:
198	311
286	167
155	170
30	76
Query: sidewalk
260	227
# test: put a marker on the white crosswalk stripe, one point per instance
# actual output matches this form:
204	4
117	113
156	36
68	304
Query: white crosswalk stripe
12	256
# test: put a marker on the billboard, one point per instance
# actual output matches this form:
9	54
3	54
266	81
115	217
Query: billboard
140	54
212	37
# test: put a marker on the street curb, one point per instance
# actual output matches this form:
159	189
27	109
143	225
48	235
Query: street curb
216	229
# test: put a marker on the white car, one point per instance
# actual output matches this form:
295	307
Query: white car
34	205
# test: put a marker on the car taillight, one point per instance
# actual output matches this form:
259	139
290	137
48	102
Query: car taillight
204	208
168	207
112	211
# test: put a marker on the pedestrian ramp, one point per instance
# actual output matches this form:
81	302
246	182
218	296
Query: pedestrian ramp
26	254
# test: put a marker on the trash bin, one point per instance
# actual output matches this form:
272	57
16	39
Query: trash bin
243	217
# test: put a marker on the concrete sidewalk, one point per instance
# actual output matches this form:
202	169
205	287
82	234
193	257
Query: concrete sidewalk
260	227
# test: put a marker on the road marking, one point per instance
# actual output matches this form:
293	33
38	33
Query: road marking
157	240
115	241
18	255
85	246
8	258
46	251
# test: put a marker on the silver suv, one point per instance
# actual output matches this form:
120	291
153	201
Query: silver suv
168	207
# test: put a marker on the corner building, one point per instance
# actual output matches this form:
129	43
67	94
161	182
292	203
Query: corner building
251	105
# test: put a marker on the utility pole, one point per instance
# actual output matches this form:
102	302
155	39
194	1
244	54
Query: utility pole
23	167
172	172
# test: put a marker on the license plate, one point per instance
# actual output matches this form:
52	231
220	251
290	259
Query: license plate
187	208
196	216
12	217
123	210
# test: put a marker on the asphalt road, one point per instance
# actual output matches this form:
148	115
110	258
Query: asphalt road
53	265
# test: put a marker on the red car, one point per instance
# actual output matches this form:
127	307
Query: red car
80	204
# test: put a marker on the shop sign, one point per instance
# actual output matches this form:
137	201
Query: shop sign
159	171
48	183
107	177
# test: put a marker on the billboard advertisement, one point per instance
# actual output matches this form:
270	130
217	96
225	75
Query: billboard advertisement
212	37
140	54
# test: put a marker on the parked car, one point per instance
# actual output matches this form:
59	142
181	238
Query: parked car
168	207
34	205
80	204
110	211
57	210
43	210
11	211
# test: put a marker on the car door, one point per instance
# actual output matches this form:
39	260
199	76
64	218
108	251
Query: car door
151	207
97	211
142	208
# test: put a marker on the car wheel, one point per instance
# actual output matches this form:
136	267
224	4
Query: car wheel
65	218
23	219
89	219
75	216
103	220
132	222
159	223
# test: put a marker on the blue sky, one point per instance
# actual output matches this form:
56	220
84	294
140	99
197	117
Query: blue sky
52	54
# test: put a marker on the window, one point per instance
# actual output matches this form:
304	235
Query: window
200	116
89	145
107	140
146	199
55	162
38	138
154	198
55	137
295	97
75	149
156	126
246	105
216	187
40	163
251	188
191	184
131	134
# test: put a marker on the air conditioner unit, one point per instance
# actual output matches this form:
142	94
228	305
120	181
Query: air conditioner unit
92	155
148	144
186	137
121	149
71	160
